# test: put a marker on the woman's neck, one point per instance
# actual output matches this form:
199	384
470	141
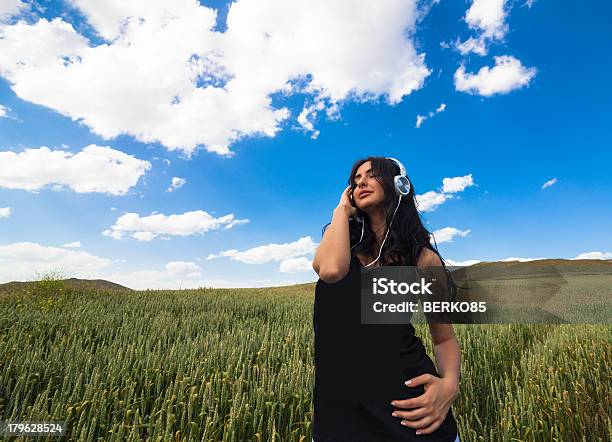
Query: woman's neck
378	224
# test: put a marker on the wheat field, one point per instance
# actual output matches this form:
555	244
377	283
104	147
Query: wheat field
237	365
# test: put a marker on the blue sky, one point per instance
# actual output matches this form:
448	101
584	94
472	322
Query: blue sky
269	111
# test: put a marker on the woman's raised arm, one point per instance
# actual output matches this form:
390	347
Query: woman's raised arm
333	256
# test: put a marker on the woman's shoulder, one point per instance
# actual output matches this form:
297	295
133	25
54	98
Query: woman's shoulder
427	258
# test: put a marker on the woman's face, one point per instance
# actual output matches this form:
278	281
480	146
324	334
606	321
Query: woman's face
368	191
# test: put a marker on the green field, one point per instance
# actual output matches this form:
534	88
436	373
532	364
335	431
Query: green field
237	365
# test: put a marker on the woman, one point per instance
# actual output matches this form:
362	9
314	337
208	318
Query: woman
360	393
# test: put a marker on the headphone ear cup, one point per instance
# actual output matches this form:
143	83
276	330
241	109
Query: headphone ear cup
402	185
352	200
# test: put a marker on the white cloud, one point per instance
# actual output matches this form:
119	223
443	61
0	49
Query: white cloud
507	75
4	110
164	279
429	201
529	3
5	212
307	115
594	255
515	258
73	245
26	261
149	227
94	169
549	183
457	184
165	75
270	252
475	45
296	265
176	183
447	234
185	268
9	8
469	262
487	17
22	260
586	255
421	118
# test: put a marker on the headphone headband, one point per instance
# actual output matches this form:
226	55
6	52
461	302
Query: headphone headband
401	166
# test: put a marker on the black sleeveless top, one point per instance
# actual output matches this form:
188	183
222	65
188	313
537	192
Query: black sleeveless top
361	368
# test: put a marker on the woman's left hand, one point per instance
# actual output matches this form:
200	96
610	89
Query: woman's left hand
430	408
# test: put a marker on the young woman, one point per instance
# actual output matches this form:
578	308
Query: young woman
360	393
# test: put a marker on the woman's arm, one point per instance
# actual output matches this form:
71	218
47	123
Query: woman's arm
333	256
446	347
447	354
428	411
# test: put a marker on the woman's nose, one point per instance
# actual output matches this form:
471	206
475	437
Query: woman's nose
362	182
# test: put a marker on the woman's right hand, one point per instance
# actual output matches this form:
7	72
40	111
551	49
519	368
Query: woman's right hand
345	202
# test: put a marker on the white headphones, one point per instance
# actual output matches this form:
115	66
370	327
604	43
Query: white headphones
402	188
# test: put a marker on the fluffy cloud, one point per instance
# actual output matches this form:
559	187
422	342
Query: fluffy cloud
469	262
23	260
475	45
164	74
73	245
457	184
516	258
165	279
296	265
4	111
429	201
447	234
507	75
176	183
594	255
549	183
273	252
586	255
27	261
5	212
421	118
94	169
9	8
185	268
149	227
487	17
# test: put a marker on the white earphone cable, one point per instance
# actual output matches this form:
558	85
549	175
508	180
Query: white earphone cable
383	243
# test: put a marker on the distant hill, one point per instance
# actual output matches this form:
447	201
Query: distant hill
95	284
509	269
481	270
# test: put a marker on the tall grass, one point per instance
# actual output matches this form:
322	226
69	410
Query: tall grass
237	365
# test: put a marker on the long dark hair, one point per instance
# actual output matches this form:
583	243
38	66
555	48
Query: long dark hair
407	235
